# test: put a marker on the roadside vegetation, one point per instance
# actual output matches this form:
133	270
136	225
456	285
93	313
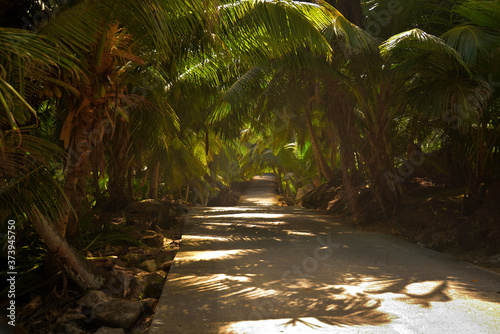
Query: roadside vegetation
116	116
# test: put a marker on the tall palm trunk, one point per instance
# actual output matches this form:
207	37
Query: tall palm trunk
349	170
279	180
483	151
119	196
386	182
79	145
154	180
95	163
75	190
376	107
130	183
318	155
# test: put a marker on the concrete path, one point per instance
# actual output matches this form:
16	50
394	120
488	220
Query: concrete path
266	269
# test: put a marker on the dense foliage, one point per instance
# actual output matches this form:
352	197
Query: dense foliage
106	102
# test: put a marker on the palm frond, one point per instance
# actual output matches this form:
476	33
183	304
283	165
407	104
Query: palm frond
384	18
418	49
25	57
481	13
25	178
352	38
475	44
270	29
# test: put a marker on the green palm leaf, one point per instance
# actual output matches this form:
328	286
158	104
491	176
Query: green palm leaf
437	79
418	48
25	56
475	44
25	178
484	13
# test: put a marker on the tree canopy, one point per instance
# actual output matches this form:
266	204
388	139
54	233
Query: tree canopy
103	103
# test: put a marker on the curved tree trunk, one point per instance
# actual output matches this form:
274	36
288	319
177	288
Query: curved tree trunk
82	272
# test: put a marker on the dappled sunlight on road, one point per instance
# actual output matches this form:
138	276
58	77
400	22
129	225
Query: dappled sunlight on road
288	270
260	194
219	255
205	238
361	286
249	215
286	325
216	282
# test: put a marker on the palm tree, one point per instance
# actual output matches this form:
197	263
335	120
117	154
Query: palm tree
303	88
29	190
378	85
25	159
234	34
410	65
476	37
100	50
446	81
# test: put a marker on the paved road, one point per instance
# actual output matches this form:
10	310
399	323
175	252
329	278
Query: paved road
266	269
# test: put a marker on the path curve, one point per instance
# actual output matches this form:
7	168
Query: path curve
258	268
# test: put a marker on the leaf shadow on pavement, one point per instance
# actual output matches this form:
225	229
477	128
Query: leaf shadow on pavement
296	269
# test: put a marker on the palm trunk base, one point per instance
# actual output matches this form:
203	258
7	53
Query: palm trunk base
82	272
